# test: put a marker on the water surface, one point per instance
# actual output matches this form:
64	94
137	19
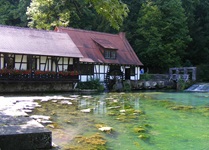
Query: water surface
145	121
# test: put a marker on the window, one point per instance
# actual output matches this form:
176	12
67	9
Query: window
108	54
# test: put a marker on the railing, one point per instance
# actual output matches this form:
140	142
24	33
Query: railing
26	75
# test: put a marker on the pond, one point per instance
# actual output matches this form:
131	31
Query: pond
132	121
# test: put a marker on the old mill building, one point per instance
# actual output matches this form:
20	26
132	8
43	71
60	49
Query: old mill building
64	56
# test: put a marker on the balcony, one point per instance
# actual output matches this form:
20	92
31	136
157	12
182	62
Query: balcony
28	75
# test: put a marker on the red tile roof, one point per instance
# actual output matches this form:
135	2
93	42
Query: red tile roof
86	42
36	42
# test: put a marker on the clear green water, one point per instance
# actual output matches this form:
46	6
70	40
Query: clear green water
170	121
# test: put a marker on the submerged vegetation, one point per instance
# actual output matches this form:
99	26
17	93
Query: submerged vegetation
93	142
127	121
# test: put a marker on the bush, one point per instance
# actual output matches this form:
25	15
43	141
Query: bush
182	85
202	73
145	76
92	84
127	87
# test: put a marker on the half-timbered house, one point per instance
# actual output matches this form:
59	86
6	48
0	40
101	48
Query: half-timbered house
107	56
37	55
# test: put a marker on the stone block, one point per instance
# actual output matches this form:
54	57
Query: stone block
22	133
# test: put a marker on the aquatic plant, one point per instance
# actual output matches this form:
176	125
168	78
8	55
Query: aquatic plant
139	129
144	136
93	142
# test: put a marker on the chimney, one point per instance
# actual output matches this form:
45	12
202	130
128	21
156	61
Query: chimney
122	35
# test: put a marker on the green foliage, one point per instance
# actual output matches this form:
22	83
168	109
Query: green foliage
13	12
91	84
198	50
112	10
182	85
41	15
163	34
48	14
127	87
202	73
145	76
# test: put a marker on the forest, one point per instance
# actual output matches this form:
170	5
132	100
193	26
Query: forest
163	33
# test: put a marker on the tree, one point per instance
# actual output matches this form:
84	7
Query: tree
163	32
41	16
12	12
198	49
6	13
130	22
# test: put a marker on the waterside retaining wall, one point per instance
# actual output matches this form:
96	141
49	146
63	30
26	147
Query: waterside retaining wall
154	81
30	86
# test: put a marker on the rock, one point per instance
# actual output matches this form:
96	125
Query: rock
40	117
122	111
86	110
104	129
28	111
45	121
66	102
86	96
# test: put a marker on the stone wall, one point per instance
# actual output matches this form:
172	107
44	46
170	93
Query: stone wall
152	84
153	81
14	86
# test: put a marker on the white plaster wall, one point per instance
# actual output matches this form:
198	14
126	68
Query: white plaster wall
18	62
106	68
102	69
122	68
43	60
2	61
54	67
137	74
65	60
96	69
132	77
84	78
38	61
18	58
71	61
24	67
137	69
64	66
102	77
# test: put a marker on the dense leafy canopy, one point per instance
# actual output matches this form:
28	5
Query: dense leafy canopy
50	13
13	12
164	33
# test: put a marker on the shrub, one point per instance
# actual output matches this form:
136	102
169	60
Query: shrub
91	84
